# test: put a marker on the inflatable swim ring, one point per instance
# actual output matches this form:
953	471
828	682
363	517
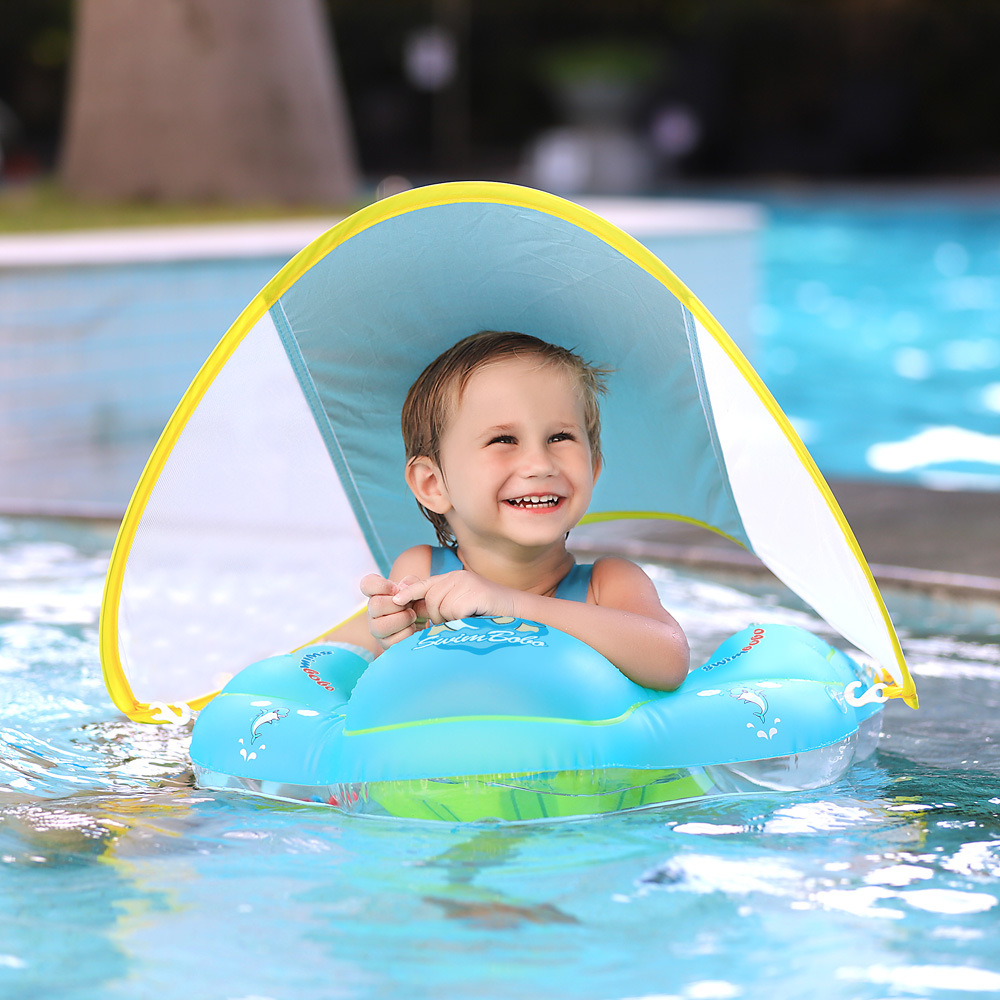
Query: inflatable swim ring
513	720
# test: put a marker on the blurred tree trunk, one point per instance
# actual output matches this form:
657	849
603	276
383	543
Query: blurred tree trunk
196	100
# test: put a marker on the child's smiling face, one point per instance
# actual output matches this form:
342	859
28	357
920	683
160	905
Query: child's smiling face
515	456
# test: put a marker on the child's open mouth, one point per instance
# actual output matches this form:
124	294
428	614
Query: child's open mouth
534	503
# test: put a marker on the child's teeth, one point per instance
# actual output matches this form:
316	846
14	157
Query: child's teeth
535	501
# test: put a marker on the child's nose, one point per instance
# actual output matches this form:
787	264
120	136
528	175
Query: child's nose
537	460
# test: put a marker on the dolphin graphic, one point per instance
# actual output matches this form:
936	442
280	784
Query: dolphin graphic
264	719
752	698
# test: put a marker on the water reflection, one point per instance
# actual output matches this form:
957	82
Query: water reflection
118	879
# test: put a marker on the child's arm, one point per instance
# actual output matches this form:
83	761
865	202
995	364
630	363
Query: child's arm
627	624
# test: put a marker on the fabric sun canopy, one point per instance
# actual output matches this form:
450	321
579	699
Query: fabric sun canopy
278	482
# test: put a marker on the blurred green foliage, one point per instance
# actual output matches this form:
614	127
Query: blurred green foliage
612	61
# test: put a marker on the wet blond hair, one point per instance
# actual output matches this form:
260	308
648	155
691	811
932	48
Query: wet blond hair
435	395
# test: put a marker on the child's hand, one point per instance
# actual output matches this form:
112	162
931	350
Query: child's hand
389	620
460	594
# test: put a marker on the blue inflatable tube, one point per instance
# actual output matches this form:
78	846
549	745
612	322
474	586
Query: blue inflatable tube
509	719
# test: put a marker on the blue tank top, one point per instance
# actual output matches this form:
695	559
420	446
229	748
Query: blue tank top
572	587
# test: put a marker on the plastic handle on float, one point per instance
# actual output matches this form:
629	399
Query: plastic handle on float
160	711
876	693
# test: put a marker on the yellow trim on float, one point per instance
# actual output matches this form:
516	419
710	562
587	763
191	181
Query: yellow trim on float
541	719
460	192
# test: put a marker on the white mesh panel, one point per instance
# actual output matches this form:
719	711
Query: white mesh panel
247	546
791	529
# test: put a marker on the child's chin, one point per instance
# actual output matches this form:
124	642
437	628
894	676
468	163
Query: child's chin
539	534
539	527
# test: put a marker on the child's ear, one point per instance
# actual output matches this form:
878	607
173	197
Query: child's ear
598	466
426	482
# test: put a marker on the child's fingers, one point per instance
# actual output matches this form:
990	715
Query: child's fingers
411	589
403	633
374	585
382	605
462	595
441	598
383	627
426	597
429	604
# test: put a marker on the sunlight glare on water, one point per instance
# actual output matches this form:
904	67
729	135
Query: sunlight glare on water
119	879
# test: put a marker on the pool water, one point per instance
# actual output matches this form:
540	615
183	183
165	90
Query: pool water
119	879
879	333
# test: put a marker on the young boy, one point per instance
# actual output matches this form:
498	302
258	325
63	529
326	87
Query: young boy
502	436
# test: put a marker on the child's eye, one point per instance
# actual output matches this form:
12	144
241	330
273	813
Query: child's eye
563	436
502	439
